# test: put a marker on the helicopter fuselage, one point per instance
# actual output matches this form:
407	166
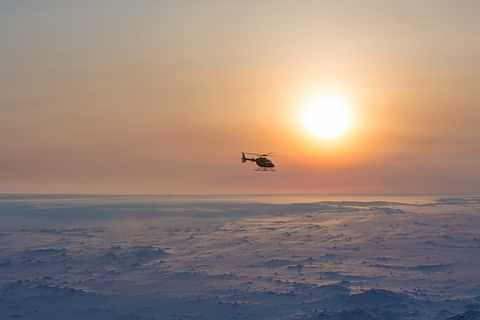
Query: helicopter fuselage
264	162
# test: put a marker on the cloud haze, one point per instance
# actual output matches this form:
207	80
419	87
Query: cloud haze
161	97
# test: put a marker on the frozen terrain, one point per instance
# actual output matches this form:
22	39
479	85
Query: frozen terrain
92	257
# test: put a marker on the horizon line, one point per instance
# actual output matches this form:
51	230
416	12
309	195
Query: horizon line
227	194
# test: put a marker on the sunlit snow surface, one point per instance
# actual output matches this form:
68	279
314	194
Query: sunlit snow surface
98	257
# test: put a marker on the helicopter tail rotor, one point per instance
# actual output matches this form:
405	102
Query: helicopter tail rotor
244	159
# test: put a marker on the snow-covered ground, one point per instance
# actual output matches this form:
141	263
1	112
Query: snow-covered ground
78	257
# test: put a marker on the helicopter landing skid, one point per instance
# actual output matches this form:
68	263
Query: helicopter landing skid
264	170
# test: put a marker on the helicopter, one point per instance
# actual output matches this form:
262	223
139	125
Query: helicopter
260	159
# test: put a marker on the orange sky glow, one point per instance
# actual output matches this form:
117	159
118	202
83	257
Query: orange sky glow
162	97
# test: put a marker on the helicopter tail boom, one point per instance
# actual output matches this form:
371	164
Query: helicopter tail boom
245	159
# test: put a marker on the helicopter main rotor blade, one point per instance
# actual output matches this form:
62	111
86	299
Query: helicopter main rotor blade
260	154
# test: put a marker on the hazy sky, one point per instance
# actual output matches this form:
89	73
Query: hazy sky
162	96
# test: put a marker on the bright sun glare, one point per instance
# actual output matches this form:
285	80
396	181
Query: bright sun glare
326	115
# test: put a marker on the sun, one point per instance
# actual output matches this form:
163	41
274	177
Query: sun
326	115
